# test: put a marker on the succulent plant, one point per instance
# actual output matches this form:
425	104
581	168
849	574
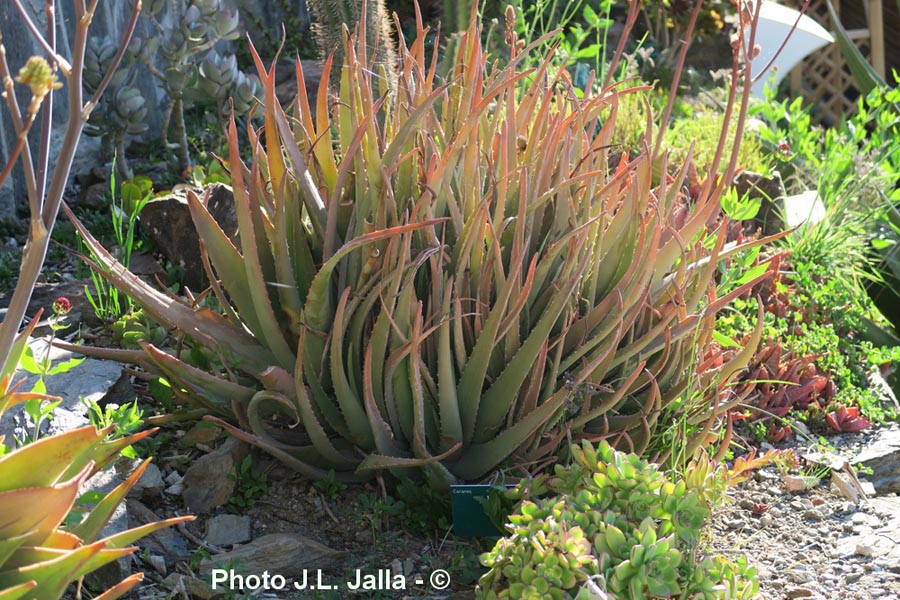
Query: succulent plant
608	525
448	275
122	109
39	486
185	60
333	16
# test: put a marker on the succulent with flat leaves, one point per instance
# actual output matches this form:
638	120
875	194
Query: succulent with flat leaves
122	109
610	525
189	66
449	275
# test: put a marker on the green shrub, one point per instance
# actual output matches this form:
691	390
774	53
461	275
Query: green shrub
612	523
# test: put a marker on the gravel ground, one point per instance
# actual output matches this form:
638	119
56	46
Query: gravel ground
814	543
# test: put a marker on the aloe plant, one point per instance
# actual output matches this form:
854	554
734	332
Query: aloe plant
40	484
448	275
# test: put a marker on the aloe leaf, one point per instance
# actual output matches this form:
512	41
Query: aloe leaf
9	545
349	403
37	511
218	393
55	453
205	326
270	329
89	529
121	588
226	259
479	459
495	404
130	536
375	462
865	76
315	207
317	434
17	591
301	466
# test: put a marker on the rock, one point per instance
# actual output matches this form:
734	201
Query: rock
195	588
735	523
799	592
150	484
201	433
165	542
766	520
87	381
813	514
882	456
228	530
286	554
767	189
209	481
802	209
120	393
168	222
286	81
158	563
94	196
799	483
866	548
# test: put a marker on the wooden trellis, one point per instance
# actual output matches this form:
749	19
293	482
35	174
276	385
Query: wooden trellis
823	78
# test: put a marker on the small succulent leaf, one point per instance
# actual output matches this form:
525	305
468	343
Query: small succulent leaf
121	588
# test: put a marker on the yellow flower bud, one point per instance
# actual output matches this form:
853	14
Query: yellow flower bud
38	76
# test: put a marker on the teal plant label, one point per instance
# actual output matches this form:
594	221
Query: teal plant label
470	519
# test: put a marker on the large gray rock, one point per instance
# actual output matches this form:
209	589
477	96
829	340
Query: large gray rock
90	380
288	555
882	455
168	222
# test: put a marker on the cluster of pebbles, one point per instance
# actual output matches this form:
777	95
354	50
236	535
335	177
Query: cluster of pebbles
815	542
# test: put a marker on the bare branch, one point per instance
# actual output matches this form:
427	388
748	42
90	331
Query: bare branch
64	65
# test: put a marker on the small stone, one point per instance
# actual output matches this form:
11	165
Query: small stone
396	567
207	484
735	523
866	548
201	433
150	484
228	530
813	514
799	592
158	563
408	567
852	577
859	518
766	520
797	483
775	490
